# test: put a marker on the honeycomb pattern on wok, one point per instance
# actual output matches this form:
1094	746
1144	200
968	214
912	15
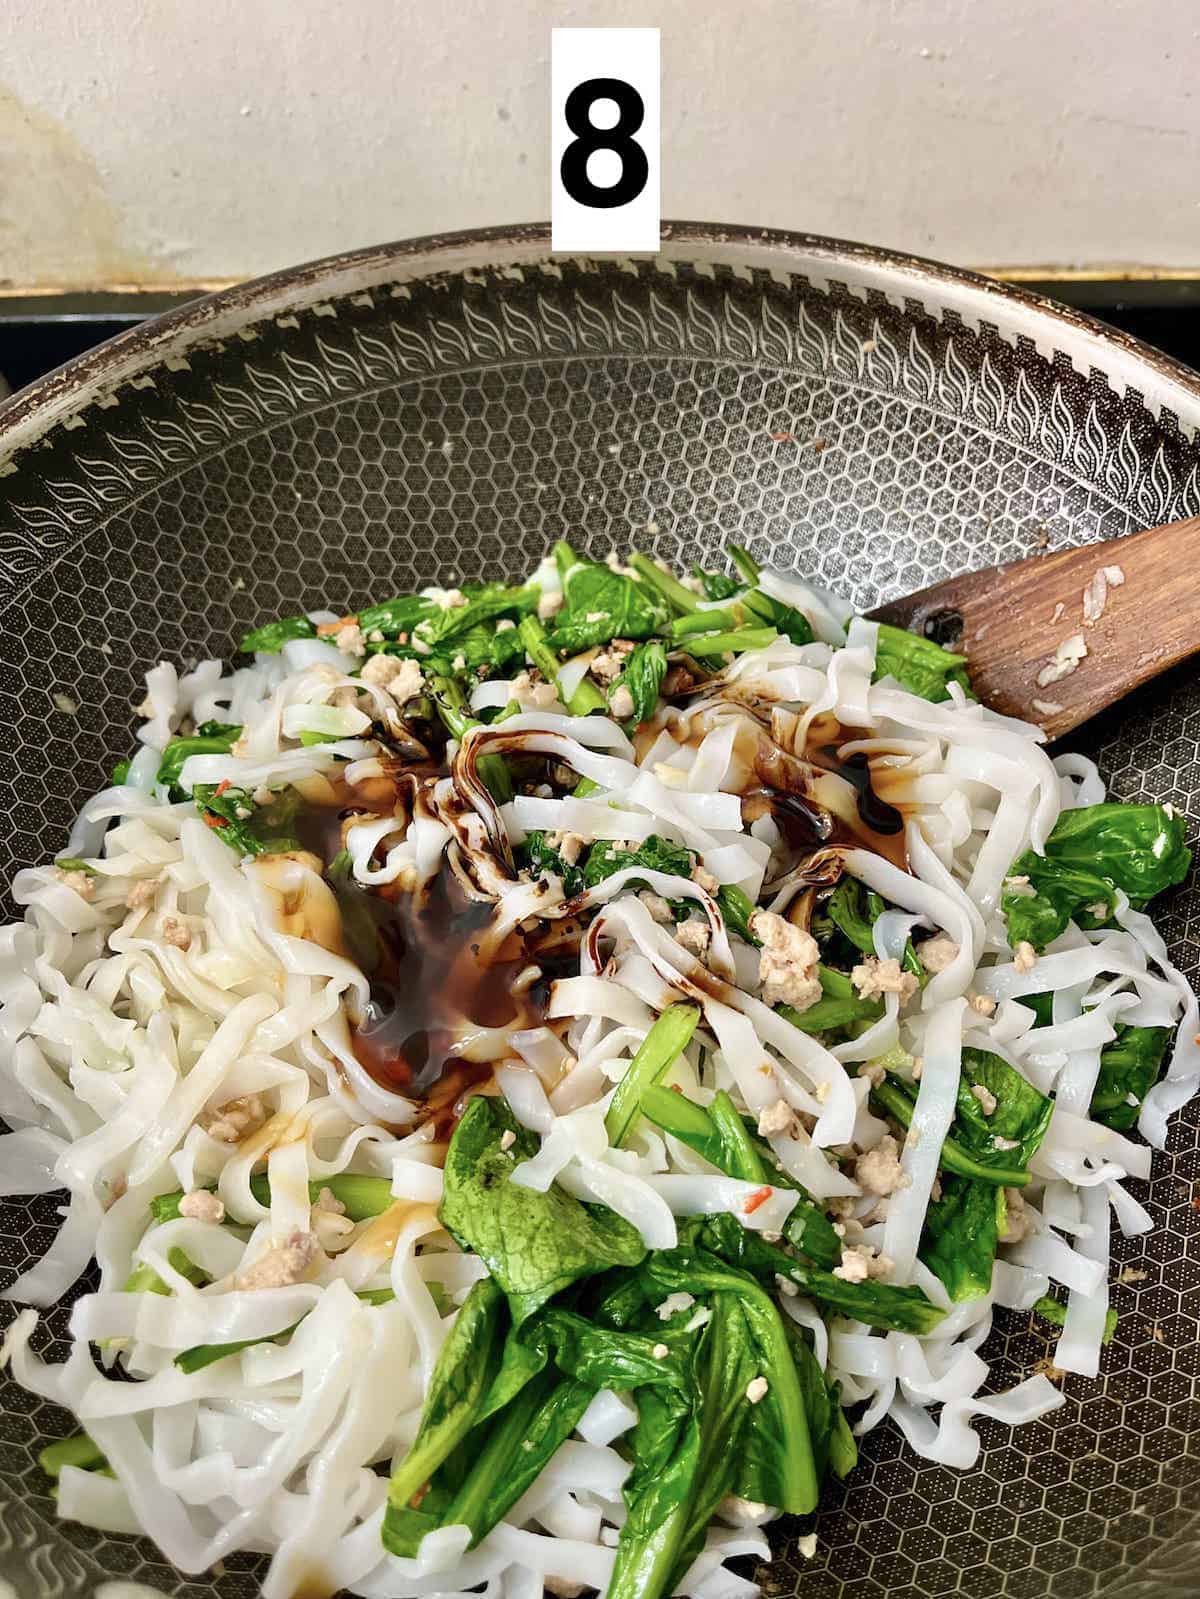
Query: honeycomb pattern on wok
454	432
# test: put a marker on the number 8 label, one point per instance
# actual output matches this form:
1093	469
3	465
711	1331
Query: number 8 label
605	139
635	169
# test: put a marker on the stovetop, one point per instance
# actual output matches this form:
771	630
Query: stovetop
40	333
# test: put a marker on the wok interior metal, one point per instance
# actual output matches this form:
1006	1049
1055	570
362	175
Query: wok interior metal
413	415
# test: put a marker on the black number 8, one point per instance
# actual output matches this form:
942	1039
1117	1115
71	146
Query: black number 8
635	169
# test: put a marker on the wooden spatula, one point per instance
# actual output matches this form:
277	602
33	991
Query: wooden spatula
1058	637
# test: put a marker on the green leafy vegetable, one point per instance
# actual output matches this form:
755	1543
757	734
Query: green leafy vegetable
645	668
120	773
210	738
735	643
78	1451
742	1154
537	857
466	1366
919	665
717	585
272	636
1019	1121
839	1006
664	584
586	696
248	828
1054	1312
444	630
1091	852
737	908
659	1050
70	863
962	1229
1129	1068
451	706
879	1304
144	1279
533	1244
395	616
655	854
601	605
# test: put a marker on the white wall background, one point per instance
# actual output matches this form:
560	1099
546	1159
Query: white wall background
179	141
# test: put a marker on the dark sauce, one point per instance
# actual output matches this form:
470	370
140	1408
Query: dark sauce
429	983
876	813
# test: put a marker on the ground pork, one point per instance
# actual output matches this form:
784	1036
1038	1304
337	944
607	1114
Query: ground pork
937	953
176	933
987	1100
549	605
982	1004
236	1119
530	693
83	883
349	639
288	1263
658	907
776	1118
621	703
879	1171
695	936
787	962
874	978
1024	957
401	678
200	1205
860	1262
1018	1223
610	663
142	893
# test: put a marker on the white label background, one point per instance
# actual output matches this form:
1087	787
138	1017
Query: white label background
578	54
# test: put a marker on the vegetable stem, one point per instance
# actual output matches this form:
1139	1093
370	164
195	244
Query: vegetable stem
660	1049
746	638
78	1451
451	704
953	1158
703	622
664	583
586	698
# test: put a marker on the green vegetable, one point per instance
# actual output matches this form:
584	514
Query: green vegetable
839	1005
537	857
645	668
655	854
686	1458
1129	1068
395	616
707	621
586	697
745	638
829	1432
743	1155
660	1049
446	630
78	1451
617	606
745	563
879	1304
785	618
144	1279
1093	851
743	1159
1021	1118
201	1355
919	665
362	1197
272	636
717	585
69	863
737	908
359	913
854	910
210	738
668	587
533	1244
962	1229
1055	1312
120	773
247	828
465	1368
450	704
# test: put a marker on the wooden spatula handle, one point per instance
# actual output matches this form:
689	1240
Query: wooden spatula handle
1018	620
